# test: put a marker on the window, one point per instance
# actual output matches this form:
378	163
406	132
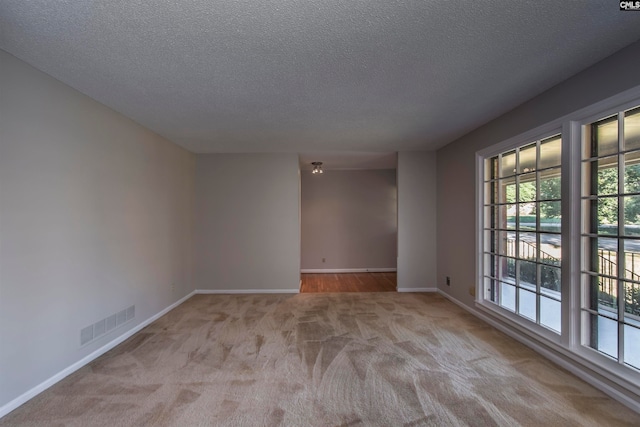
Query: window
611	236
523	231
558	253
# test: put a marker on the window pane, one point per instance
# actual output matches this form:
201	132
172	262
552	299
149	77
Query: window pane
528	246
527	304
632	260
607	256
503	242
550	216
491	168
507	268
607	215
508	190
550	152
632	216
527	160
550	310
590	251
511	211
491	289
608	295
490	244
491	264
551	249
510	248
589	329
550	184
587	182
528	274
632	172
500	216
508	296
632	346
550	280
601	292
490	193
508	166
605	134
490	216
632	129
527	187
527	213
632	302
607	176
607	336
510	273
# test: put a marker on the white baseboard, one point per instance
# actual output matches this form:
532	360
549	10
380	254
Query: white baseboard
417	289
348	270
247	291
575	368
23	398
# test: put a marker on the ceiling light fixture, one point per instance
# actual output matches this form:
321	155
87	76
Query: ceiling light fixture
317	167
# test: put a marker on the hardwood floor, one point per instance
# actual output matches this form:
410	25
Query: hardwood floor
348	282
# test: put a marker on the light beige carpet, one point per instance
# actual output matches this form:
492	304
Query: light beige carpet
321	360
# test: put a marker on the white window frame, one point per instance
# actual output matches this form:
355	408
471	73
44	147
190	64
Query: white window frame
568	343
587	352
512	143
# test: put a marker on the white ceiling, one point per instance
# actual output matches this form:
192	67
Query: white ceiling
313	75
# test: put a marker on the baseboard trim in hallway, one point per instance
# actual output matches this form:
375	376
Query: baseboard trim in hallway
247	291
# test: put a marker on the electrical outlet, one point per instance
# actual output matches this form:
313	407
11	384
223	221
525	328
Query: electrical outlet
448	281
173	287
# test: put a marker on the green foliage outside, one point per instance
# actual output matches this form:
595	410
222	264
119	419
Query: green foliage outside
608	184
632	184
632	299
527	192
608	215
550	188
550	277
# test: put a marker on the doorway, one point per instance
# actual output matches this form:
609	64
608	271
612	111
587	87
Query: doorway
349	220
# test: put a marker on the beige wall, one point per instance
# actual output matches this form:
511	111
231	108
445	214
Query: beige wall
95	216
349	217
416	220
247	222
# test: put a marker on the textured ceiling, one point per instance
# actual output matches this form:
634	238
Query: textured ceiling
313	75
